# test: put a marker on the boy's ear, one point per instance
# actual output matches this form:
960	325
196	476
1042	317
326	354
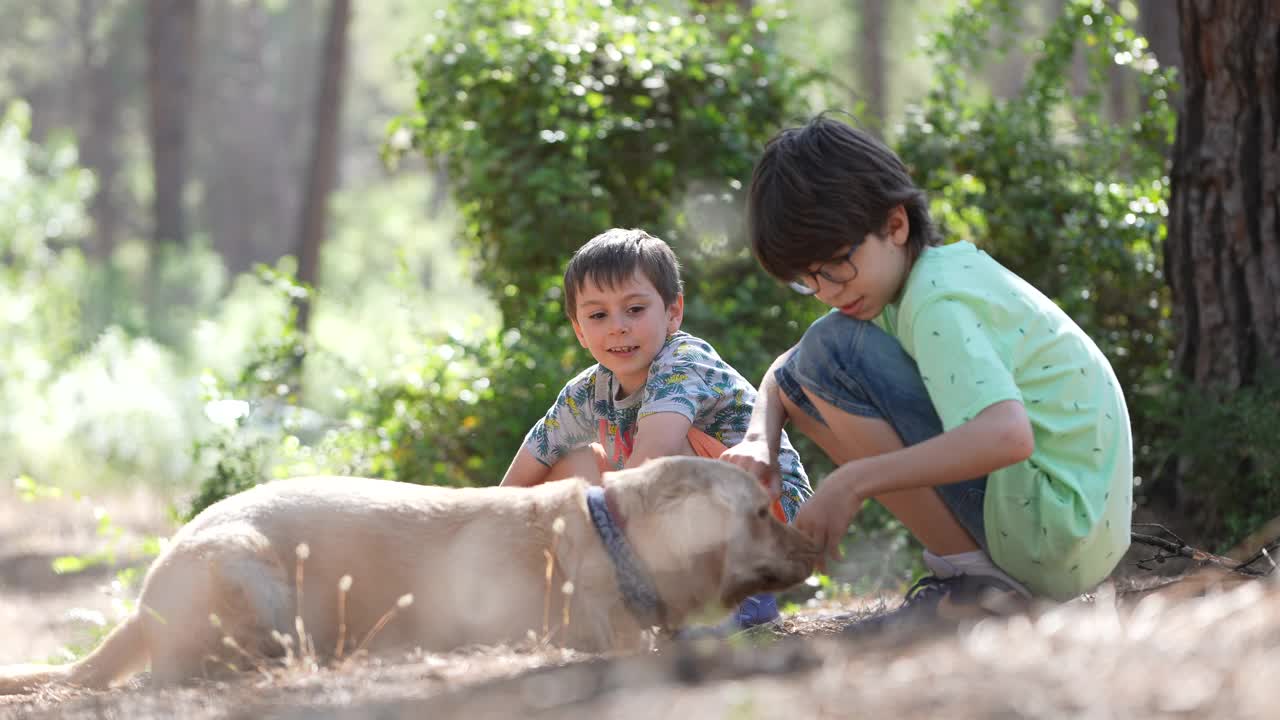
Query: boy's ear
899	225
675	314
577	330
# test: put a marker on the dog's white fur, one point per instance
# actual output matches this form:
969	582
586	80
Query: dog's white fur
473	559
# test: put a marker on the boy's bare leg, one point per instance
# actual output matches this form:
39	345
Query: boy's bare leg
848	437
581	463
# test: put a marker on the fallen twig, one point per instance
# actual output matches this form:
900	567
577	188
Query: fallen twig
1176	547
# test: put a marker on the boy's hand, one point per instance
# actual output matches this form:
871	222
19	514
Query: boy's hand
825	517
754	457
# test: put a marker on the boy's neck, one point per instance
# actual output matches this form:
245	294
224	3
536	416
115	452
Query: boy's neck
912	259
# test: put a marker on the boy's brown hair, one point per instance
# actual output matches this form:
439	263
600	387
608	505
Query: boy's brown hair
612	257
824	186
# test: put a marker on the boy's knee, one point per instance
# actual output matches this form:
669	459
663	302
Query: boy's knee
827	345
583	462
833	335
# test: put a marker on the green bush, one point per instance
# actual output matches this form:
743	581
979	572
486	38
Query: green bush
1069	200
83	402
1222	446
557	123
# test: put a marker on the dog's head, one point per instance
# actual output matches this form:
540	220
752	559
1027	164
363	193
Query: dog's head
705	530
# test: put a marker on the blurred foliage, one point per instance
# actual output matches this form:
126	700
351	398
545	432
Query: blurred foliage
1223	449
554	123
88	398
557	123
72	393
649	120
42	196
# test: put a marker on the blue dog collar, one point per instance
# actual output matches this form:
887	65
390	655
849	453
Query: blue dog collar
638	590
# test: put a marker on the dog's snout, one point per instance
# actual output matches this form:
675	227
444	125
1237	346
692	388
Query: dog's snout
796	543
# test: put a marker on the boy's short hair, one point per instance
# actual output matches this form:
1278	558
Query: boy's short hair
612	257
823	186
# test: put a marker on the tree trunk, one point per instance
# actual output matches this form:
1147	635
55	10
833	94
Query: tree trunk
322	176
100	122
171	56
1222	257
241	150
872	71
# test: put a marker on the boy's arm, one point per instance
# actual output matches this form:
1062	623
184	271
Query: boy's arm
566	426
996	437
659	435
758	451
525	470
768	415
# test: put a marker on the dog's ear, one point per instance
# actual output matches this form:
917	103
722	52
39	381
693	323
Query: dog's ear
736	487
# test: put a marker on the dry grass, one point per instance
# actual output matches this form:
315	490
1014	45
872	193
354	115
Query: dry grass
1144	654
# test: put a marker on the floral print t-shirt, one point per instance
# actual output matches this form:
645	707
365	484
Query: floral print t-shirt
688	378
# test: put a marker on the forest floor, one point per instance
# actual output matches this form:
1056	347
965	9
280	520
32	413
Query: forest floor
1203	649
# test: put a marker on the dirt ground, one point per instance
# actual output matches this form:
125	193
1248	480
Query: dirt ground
1189	650
41	612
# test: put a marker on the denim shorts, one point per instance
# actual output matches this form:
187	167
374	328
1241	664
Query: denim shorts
864	371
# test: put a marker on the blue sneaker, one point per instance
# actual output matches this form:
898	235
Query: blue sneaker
757	610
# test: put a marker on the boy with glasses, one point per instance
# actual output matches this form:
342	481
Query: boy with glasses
941	384
654	390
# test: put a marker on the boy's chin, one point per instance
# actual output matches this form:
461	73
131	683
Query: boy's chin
624	364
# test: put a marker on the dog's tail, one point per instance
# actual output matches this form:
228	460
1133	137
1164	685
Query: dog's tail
123	652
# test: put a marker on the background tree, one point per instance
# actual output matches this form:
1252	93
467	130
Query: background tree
872	66
171	37
172	27
102	29
323	172
1222	259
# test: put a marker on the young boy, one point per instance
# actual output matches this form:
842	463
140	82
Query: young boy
654	391
941	384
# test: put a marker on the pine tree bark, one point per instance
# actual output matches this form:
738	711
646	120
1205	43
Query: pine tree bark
1222	256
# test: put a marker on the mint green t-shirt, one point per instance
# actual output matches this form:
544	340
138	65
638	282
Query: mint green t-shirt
1058	521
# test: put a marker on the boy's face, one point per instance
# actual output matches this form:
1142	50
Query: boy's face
882	265
624	327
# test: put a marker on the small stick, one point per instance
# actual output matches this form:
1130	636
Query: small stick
286	642
1178	549
344	585
557	529
546	590
567	591
303	551
404	602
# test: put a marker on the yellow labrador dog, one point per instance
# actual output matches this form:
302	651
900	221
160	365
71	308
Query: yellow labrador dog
653	545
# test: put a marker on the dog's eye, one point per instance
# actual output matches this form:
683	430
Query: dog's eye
762	513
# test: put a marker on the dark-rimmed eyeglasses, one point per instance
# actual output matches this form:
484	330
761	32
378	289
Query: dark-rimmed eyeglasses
836	270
